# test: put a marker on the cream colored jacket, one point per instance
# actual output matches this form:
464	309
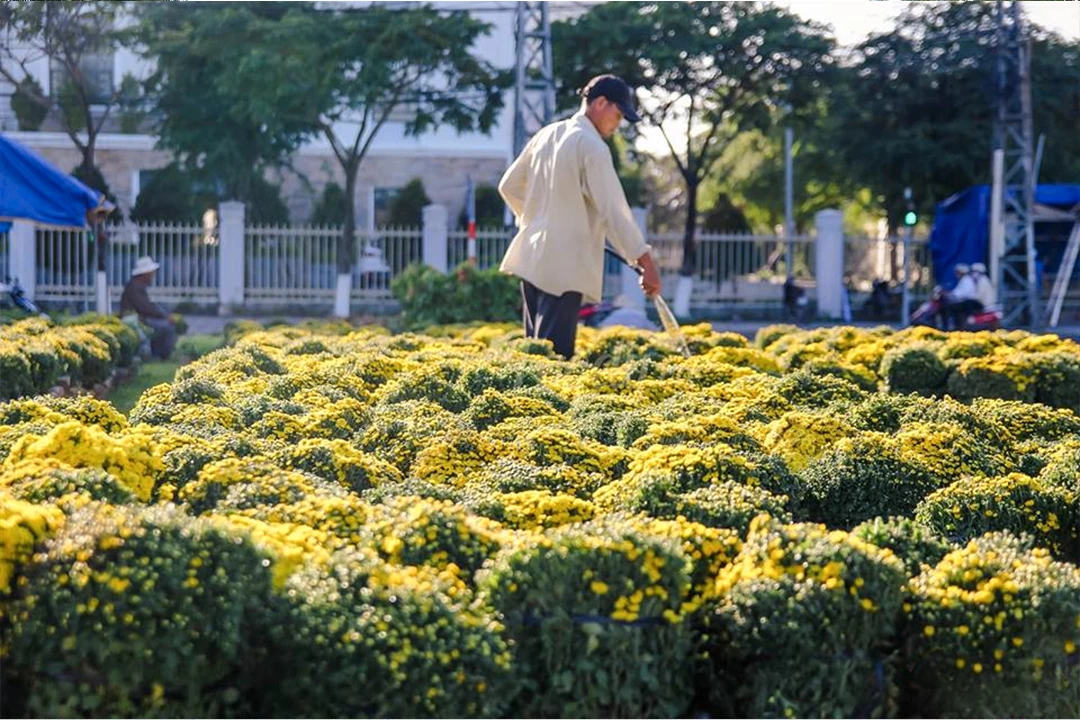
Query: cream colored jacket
566	196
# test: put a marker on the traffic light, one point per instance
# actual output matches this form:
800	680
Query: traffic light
910	218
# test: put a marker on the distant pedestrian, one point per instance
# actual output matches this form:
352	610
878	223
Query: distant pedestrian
566	196
135	300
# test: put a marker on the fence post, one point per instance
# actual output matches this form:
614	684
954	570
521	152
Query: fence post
436	236
22	257
231	257
631	287
829	261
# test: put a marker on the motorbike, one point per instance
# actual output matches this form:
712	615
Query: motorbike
14	294
927	314
593	314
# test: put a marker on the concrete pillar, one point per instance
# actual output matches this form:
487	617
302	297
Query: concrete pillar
829	263
231	257
22	256
631	286
436	230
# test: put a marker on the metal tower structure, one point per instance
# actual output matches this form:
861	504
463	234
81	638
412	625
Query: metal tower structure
534	93
1018	284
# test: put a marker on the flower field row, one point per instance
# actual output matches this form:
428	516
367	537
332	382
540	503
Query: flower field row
35	353
330	522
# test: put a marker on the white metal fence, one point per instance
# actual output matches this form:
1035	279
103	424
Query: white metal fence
298	264
66	262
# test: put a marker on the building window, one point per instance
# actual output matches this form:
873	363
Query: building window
383	198
97	72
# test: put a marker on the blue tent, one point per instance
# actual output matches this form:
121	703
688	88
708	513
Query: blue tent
961	229
32	189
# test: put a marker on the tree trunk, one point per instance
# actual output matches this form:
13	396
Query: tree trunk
690	230
347	243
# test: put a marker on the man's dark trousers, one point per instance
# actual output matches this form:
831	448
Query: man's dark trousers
551	317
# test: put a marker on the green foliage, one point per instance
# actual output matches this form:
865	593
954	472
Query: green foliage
265	206
490	208
915	545
25	103
992	630
769	657
331	206
429	297
406	208
592	636
119	605
171	194
405	650
913	368
1015	503
864	478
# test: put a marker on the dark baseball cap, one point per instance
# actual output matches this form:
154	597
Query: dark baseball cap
615	89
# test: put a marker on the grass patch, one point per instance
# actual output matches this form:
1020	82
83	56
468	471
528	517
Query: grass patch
155	372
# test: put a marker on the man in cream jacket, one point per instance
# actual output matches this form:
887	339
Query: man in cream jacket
566	196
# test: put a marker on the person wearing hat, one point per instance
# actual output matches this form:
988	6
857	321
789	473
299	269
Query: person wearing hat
567	198
984	287
135	300
963	300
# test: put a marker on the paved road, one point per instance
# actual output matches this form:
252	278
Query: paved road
215	325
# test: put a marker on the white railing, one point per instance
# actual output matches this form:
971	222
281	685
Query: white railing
64	266
298	264
491	244
868	259
736	269
187	254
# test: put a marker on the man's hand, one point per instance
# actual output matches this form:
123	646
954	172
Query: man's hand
650	276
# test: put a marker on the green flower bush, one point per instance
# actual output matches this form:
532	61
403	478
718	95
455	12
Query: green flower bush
767	641
140	612
361	638
864	477
1016	503
914	544
993	630
914	368
594	613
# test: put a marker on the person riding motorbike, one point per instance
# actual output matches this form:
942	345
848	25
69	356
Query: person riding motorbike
962	301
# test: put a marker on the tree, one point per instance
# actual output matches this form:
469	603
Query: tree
224	137
330	209
490	208
407	207
917	106
707	70
342	73
69	35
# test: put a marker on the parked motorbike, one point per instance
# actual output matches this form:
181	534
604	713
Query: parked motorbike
928	314
592	314
13	294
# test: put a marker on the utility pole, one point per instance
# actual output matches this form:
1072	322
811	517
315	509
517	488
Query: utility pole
1013	238
909	228
789	222
534	92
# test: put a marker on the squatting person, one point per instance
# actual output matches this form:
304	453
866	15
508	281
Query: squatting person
566	196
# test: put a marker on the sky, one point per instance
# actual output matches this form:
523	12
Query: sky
853	20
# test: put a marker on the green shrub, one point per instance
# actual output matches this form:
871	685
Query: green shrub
25	104
862	478
429	297
913	368
48	485
764	639
1015	503
407	644
992	631
914	544
1028	421
338	462
1057	380
594	613
1004	377
137	612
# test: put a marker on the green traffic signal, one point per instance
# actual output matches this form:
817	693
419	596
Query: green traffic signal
910	218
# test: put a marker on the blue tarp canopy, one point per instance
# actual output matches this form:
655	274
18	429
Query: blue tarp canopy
32	189
961	229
